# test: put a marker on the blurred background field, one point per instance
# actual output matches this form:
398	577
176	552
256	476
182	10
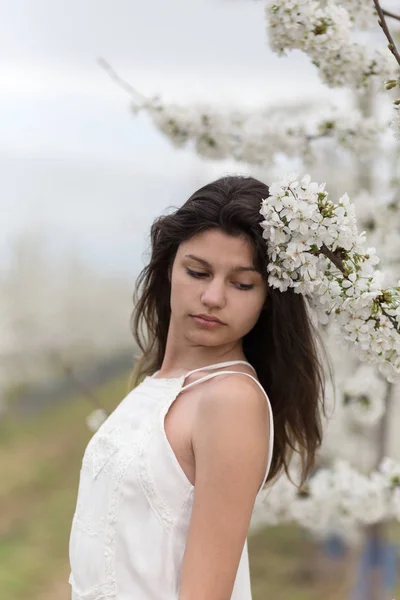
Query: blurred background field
39	467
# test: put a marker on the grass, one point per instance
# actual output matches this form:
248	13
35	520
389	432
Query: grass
39	469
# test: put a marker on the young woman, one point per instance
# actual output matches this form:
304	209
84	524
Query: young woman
229	384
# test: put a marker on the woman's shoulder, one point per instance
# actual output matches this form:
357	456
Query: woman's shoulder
232	406
233	392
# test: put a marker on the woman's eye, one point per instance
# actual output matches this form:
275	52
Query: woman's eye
199	274
195	273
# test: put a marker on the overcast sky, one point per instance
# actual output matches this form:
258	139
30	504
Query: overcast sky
74	162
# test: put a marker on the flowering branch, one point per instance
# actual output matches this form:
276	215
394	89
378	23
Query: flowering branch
253	137
306	233
337	258
382	22
324	34
330	502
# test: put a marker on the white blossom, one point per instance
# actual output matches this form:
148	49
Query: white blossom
96	418
362	13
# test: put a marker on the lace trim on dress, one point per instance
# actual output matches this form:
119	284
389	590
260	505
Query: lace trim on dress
115	498
105	591
113	439
151	491
147	481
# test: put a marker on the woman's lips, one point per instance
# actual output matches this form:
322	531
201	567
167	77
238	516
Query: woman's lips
206	323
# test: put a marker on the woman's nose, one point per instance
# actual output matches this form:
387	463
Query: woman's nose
214	294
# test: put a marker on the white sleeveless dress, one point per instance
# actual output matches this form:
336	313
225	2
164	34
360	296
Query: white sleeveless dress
134	502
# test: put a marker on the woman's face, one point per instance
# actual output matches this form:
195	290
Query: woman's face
213	274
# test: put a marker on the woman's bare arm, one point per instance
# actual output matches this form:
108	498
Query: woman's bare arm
230	443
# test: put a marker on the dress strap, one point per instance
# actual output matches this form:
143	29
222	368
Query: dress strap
227	363
185	387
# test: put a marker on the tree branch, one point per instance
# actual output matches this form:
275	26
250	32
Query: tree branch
386	31
337	261
121	82
387	13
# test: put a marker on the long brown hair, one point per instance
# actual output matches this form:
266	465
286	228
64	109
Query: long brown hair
282	346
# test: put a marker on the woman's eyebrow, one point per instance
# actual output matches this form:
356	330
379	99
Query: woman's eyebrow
207	264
